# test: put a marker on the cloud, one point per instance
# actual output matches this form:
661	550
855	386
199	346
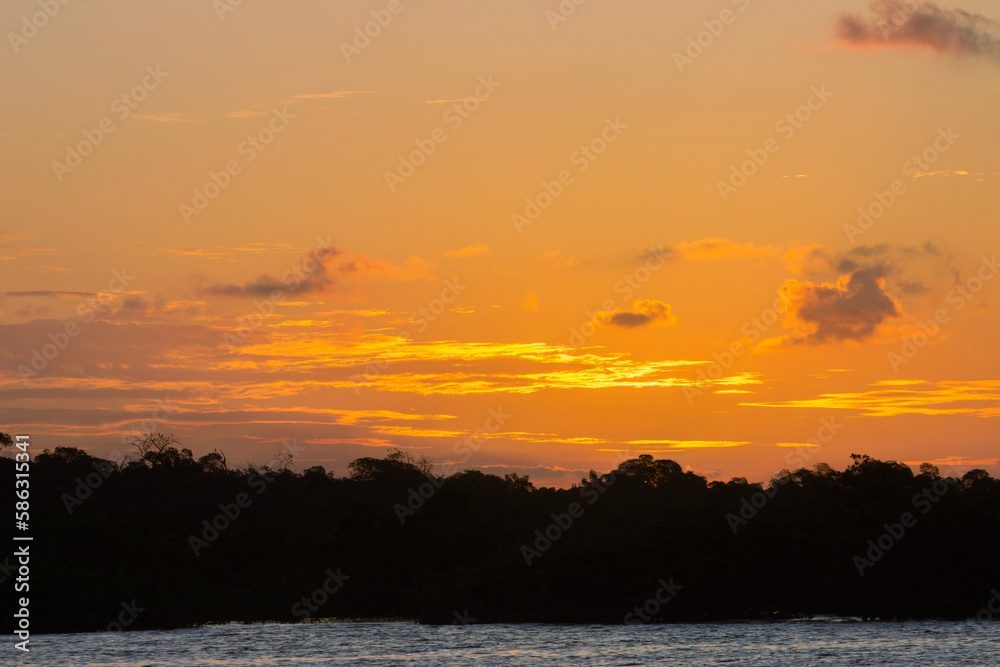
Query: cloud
956	462
468	251
909	24
324	269
223	251
10	252
716	248
530	301
309	276
459	99
5	236
690	444
298	99
53	294
808	258
643	312
892	398
850	310
137	306
911	270
245	114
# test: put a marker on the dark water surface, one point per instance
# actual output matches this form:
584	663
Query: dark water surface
817	642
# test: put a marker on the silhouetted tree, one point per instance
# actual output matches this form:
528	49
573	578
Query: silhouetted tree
422	546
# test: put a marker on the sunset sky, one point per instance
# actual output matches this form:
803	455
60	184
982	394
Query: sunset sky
717	232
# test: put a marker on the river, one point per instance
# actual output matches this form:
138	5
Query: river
815	642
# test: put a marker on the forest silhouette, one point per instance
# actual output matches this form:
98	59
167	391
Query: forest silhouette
179	541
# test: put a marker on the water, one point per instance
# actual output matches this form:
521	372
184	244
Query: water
823	642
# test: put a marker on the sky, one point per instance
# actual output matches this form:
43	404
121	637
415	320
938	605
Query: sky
524	237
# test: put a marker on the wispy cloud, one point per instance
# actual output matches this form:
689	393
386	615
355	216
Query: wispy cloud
9	250
956	462
690	444
716	249
220	252
247	113
302	98
459	99
892	398
52	294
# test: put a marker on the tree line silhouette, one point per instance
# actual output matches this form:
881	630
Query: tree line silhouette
182	541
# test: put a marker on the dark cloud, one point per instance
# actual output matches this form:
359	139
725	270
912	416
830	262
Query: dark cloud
309	275
660	254
916	286
850	310
642	314
53	294
37	311
914	24
137	305
878	268
888	260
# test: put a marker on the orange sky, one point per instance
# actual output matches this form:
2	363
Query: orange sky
720	233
